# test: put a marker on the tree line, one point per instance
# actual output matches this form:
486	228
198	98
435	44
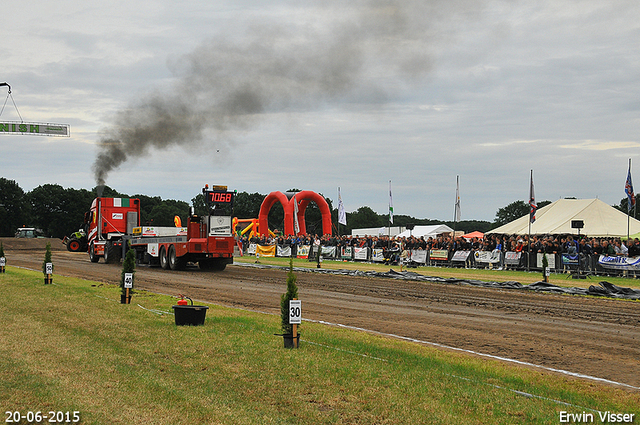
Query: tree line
59	211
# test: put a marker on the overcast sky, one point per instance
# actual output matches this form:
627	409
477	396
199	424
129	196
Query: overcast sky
163	97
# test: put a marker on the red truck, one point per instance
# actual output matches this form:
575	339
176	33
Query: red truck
114	227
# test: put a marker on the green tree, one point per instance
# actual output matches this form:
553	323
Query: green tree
14	209
514	211
58	211
365	217
247	205
291	294
163	214
624	203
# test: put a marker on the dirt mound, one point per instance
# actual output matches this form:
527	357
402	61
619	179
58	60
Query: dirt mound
32	244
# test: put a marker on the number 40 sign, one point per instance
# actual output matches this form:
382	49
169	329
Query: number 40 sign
295	312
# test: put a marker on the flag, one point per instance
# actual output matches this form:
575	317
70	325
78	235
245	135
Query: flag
342	215
296	225
390	204
628	189
457	212
532	202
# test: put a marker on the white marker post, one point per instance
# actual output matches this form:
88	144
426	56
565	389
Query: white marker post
48	268
3	262
295	318
128	283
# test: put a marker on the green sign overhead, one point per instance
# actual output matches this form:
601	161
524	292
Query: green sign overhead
35	128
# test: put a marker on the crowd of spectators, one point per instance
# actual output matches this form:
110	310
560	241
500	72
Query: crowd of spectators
550	244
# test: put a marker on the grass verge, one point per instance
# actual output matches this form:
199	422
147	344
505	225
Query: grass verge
72	346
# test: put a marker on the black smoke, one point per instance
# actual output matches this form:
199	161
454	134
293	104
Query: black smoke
360	52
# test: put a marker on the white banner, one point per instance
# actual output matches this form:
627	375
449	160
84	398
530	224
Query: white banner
347	252
252	249
303	251
512	258
283	251
551	258
328	251
620	263
419	256
377	254
460	255
492	257
360	253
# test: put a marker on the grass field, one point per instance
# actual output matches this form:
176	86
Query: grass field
72	347
560	279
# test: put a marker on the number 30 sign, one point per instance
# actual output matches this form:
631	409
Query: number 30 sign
295	312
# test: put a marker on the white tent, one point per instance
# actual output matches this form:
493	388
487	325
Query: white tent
599	220
427	231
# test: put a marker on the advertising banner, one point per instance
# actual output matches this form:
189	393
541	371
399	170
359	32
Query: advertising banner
419	256
439	254
491	257
620	263
303	251
347	252
512	258
377	254
460	256
550	258
360	253
35	128
283	251
570	259
328	251
266	250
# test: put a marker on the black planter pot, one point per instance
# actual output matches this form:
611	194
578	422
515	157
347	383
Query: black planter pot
125	299
190	315
289	340
48	280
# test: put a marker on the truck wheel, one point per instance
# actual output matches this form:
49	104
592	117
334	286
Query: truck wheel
92	253
212	264
164	262
175	262
110	255
219	265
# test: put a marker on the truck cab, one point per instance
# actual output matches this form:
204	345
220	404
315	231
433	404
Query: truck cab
110	220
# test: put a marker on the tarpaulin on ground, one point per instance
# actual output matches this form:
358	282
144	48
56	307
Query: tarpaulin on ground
605	289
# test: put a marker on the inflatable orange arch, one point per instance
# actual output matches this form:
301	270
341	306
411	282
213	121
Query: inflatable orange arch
287	201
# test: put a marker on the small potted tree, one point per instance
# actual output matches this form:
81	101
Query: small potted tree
47	265
128	266
291	294
3	260
545	268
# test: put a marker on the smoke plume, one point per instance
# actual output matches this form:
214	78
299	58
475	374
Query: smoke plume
356	52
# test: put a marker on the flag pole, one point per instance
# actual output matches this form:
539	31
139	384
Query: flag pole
629	200
390	215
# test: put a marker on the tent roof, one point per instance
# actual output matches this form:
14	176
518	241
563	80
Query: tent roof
426	231
475	234
599	219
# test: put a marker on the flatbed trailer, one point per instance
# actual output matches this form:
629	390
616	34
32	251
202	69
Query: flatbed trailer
207	241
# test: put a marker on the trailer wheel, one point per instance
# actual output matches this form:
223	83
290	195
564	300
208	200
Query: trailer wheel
175	262
92	253
164	263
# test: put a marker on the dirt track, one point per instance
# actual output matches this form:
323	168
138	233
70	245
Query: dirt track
591	336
